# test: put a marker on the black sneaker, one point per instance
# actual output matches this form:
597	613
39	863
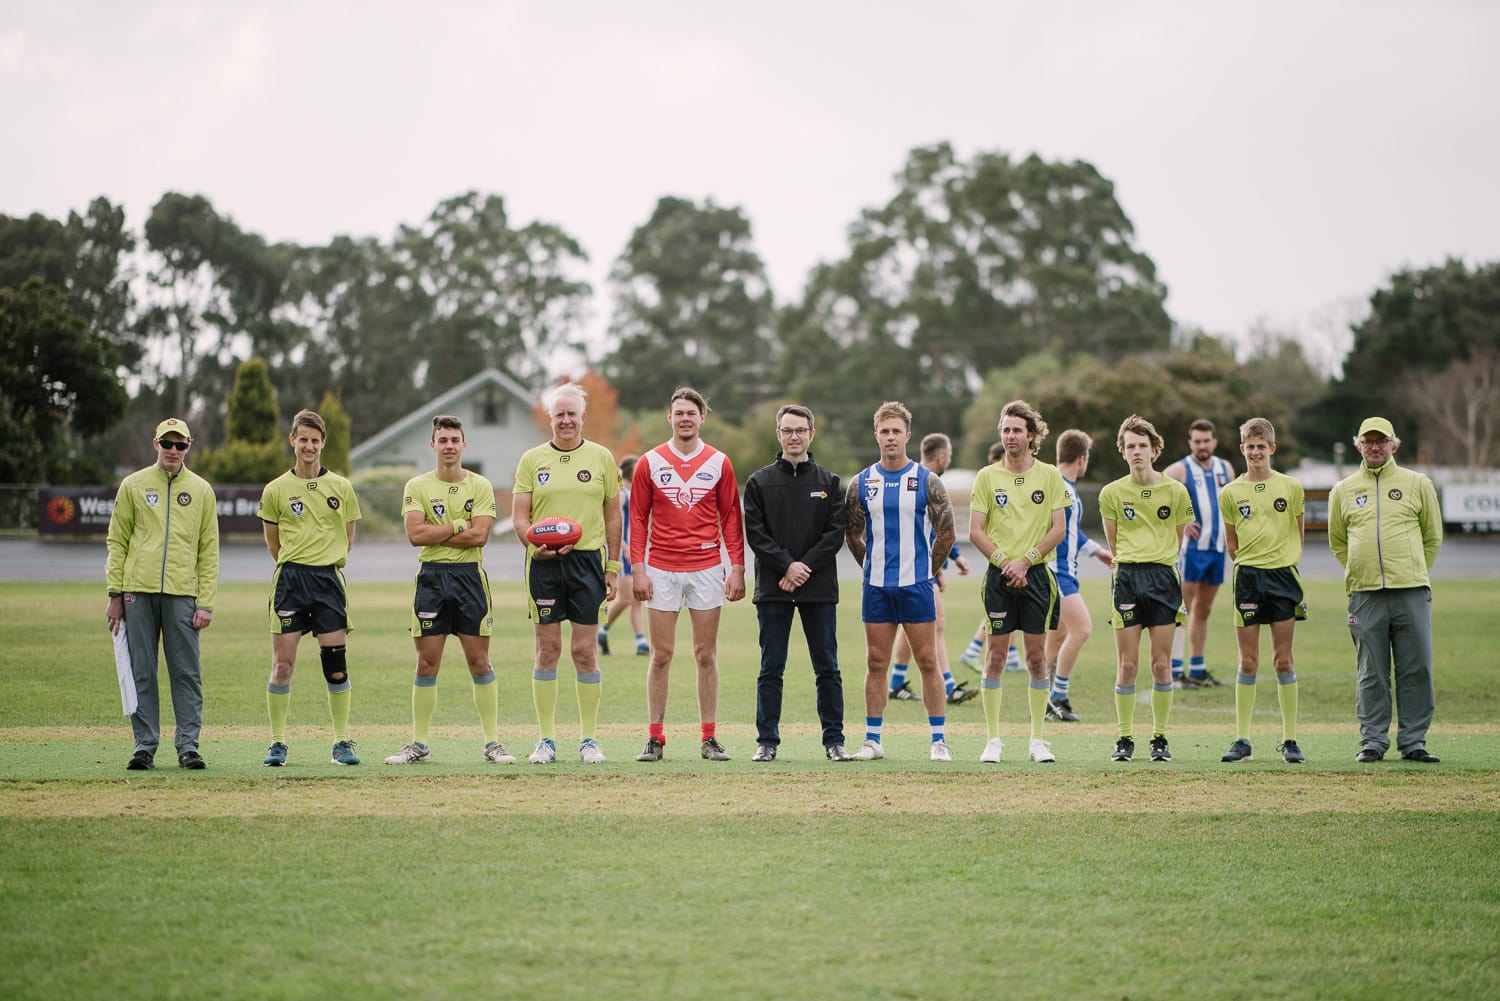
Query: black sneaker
961	694
1291	753
1182	681
904	693
1205	680
653	751
1240	751
1124	750
1421	754
1159	749
191	760
714	751
1061	711
1369	754
141	761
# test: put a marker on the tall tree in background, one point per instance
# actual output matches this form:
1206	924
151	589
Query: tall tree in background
1419	359
692	307
256	451
56	375
967	266
213	284
336	420
496	295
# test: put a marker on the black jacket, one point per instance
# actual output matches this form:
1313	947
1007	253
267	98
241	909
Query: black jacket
795	513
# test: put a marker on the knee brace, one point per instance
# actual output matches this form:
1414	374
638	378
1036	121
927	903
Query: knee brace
335	668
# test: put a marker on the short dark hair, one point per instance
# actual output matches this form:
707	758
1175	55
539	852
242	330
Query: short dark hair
627	466
795	408
935	443
996	451
692	396
311	419
1073	445
447	422
1203	424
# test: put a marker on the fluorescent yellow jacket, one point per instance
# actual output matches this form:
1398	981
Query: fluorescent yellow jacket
1385	527
164	536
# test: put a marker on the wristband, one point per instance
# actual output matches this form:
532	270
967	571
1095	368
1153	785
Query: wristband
459	528
997	557
1033	557
612	566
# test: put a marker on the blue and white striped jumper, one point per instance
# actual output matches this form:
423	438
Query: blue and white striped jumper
897	553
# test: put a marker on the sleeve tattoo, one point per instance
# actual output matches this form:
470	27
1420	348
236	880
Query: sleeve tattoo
854	521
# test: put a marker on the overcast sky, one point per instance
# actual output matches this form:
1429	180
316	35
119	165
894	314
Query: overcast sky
1278	160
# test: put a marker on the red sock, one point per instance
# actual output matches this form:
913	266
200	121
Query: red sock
708	730
658	733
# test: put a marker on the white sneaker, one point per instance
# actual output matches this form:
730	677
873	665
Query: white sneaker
1040	751
410	754
991	755
940	751
495	753
870	750
545	753
589	753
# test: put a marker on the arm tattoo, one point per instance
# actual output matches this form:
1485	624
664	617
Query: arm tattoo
940	512
854	521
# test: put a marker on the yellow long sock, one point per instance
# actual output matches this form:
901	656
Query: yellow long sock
1286	694
277	704
338	709
1125	709
1244	704
989	698
589	693
487	701
544	697
1161	708
1036	699
423	703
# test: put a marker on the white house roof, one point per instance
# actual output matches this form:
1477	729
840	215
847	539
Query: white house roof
421	416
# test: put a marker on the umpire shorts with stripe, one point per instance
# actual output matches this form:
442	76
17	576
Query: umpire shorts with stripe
1265	596
1030	609
452	598
569	587
308	599
1146	594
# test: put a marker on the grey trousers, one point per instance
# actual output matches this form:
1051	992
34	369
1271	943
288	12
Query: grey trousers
170	617
1393	626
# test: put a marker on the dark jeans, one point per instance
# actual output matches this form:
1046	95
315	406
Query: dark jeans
820	626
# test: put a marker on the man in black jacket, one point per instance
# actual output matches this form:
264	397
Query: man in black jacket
794	522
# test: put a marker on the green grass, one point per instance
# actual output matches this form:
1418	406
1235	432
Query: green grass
896	879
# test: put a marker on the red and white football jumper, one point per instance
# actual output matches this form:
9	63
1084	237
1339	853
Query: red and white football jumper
682	505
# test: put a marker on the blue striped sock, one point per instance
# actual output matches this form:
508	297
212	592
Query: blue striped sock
898	676
872	727
936	722
1059	688
1176	667
948	683
1196	667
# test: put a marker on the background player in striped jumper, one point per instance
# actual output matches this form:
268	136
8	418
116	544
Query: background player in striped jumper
568	477
887	506
1263	527
1202	562
685	504
308	516
1073	625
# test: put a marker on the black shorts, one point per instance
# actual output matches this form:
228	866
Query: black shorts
569	588
1265	596
1031	609
1146	594
308	599
452	598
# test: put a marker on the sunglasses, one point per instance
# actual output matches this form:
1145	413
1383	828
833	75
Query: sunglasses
181	446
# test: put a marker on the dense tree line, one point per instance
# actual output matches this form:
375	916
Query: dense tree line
977	281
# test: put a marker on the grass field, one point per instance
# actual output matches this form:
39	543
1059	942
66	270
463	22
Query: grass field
799	879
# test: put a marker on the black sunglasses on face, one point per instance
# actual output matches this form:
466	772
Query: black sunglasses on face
181	446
